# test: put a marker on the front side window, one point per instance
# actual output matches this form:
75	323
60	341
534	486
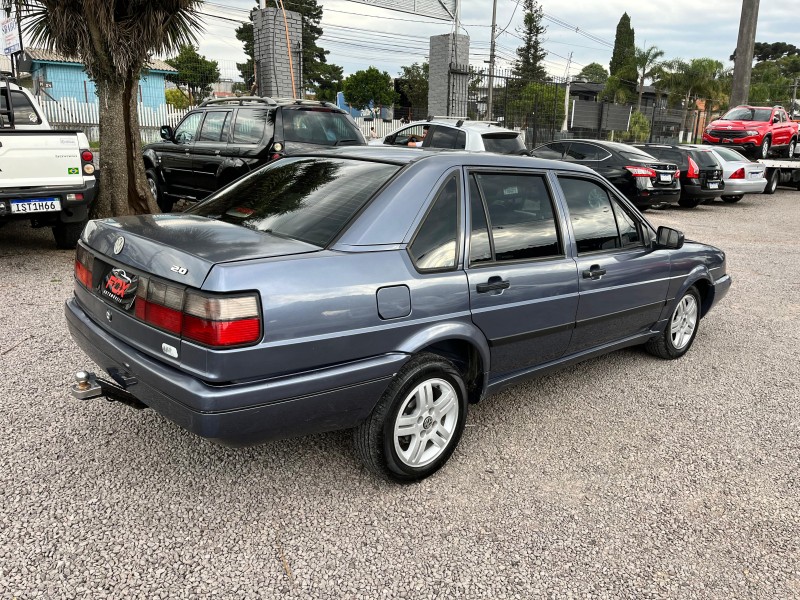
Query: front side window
307	199
413	134
521	219
215	127
186	131
435	245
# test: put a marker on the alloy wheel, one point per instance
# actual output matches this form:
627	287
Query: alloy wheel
684	322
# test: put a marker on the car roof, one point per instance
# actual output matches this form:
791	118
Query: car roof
251	101
463	124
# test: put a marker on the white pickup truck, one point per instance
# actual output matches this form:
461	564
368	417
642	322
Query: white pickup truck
47	177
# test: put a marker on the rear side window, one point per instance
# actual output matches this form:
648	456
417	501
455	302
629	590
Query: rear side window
307	199
581	151
215	127
320	126
503	143
445	137
552	151
251	123
24	113
435	244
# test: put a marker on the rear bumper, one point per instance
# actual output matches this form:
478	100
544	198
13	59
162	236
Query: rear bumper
698	191
71	212
324	400
653	196
736	187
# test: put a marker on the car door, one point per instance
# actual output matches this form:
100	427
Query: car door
176	156
210	150
523	287
623	281
782	129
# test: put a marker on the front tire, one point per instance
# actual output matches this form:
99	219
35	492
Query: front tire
681	329
155	188
732	199
417	423
765	148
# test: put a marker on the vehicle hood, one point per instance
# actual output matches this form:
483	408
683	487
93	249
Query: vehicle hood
737	125
164	245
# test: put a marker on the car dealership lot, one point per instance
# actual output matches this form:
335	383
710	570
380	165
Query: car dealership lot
624	476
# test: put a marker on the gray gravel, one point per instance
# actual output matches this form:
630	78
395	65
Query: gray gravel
623	477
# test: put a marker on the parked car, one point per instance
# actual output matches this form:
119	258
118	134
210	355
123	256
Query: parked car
756	130
642	178
378	289
740	174
225	138
47	176
700	171
458	134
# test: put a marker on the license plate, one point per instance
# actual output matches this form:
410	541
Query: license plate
119	287
33	205
713	185
756	175
665	177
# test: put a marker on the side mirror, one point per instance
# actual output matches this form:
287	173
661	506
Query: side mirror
776	119
669	238
166	132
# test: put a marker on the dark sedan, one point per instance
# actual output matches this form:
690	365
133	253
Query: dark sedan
701	171
643	179
379	289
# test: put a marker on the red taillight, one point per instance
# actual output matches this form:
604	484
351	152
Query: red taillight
276	156
641	171
220	321
694	170
84	262
738	174
87	156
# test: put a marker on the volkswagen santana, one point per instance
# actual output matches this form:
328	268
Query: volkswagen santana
378	289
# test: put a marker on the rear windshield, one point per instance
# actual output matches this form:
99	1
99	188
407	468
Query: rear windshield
503	143
743	113
706	158
24	113
307	199
320	126
730	155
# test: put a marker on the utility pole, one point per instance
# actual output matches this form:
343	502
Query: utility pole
489	107
743	65
566	94
794	99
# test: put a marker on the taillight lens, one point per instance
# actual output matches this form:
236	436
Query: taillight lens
694	170
738	174
219	321
637	171
84	263
87	155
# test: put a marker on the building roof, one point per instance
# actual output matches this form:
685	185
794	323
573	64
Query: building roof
40	55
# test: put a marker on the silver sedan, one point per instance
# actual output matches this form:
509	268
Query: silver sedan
741	175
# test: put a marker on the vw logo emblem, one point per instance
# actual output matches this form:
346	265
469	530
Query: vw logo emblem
119	244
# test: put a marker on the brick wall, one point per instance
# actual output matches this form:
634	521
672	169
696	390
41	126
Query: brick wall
440	79
272	60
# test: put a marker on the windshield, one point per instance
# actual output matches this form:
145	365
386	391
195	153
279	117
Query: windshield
307	199
320	126
744	113
504	143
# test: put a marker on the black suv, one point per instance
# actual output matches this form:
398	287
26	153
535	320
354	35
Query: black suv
643	179
225	138
701	172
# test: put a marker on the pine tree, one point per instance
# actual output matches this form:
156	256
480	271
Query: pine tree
623	60
529	65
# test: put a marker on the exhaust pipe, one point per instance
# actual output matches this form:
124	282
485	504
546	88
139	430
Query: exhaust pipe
87	386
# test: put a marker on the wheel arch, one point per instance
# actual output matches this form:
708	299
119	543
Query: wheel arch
150	160
230	170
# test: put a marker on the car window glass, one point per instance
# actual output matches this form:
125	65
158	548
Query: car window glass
480	249
186	131
251	123
705	158
444	137
307	199
581	151
24	113
743	113
503	143
730	155
323	127
461	141
554	150
629	228
521	216
591	215
435	244
415	133
213	126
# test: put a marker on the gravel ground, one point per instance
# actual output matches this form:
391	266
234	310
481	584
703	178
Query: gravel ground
623	477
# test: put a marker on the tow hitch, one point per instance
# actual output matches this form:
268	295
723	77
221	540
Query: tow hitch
88	385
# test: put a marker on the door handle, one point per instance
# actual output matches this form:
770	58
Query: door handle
494	284
594	272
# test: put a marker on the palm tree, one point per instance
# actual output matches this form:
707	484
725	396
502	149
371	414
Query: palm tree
647	67
115	39
698	78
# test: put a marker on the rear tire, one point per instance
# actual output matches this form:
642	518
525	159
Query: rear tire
772	181
681	329
790	148
732	199
155	188
689	202
68	234
428	400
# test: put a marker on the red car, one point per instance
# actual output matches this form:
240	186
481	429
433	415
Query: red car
754	129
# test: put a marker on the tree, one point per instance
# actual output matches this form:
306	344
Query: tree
195	71
698	78
177	99
114	39
529	65
623	59
330	82
647	67
413	83
369	88
593	73
244	33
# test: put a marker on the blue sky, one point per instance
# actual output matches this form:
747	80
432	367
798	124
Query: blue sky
359	36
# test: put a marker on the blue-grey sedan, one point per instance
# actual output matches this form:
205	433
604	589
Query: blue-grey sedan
379	289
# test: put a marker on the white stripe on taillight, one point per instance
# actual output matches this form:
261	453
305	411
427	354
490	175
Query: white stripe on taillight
221	309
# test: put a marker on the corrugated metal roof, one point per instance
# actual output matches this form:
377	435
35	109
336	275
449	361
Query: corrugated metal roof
155	64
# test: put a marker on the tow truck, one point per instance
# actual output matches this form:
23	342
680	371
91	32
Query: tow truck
782	171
